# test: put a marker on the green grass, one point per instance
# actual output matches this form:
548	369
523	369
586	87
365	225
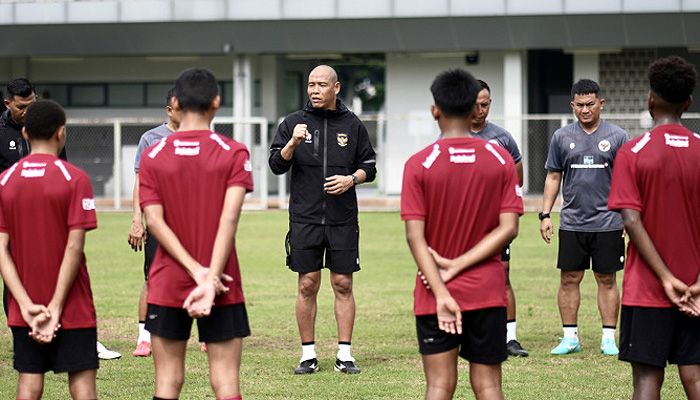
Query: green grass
384	341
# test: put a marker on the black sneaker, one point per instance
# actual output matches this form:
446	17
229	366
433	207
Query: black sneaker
515	349
347	367
307	367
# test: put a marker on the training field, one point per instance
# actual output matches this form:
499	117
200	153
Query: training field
384	341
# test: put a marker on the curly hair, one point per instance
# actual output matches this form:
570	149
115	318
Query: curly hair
672	78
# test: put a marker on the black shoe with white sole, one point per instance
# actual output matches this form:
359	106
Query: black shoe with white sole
307	367
347	367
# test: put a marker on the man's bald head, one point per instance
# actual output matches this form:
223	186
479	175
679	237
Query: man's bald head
326	71
323	87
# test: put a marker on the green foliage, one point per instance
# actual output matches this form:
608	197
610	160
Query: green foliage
384	341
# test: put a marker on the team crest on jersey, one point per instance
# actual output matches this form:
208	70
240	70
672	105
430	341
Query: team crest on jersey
13	145
342	139
604	145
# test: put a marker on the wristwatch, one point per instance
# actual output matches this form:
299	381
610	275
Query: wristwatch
542	216
355	179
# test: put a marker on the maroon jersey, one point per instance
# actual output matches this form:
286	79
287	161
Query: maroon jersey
42	198
188	173
459	186
658	174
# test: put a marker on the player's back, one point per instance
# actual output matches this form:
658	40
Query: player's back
42	198
192	170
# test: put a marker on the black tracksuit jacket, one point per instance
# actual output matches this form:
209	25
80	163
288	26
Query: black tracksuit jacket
338	144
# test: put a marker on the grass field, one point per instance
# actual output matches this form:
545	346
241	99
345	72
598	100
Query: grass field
384	341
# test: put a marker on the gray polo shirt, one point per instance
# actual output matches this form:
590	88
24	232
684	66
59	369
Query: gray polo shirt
586	162
497	135
147	139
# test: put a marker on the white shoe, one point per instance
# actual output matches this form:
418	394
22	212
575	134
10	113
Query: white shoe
104	353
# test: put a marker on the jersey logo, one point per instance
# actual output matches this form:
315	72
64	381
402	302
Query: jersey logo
462	156
342	139
247	165
307	137
88	204
519	193
493	151
604	145
572	145
676	141
33	170
220	141
432	156
186	148
13	145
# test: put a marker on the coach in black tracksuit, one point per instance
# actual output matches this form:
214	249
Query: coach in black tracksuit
329	152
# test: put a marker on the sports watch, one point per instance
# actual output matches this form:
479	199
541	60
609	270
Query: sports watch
355	180
542	216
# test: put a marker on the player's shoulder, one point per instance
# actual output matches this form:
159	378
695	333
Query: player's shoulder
226	143
295	117
70	171
497	129
613	129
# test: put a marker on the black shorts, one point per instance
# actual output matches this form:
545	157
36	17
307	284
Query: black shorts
505	253
307	244
149	253
655	336
224	323
72	350
483	338
576	249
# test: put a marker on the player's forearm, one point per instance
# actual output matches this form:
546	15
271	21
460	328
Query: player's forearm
287	151
642	242
168	240
415	236
70	265
490	244
519	171
551	190
226	233
137	216
8	270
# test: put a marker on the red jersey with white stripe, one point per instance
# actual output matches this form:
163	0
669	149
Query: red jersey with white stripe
188	173
42	198
459	187
658	174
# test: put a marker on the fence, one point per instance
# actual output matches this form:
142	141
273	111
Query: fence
105	149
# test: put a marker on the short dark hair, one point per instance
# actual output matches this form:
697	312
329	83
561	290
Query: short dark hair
169	96
43	118
484	85
19	87
454	92
196	89
585	86
672	78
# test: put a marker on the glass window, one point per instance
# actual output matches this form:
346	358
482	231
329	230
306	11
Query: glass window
125	94
57	93
227	93
87	95
156	93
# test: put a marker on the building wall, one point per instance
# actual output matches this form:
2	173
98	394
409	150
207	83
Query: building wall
408	100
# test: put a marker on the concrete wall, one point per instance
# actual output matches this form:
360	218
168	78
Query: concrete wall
408	101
